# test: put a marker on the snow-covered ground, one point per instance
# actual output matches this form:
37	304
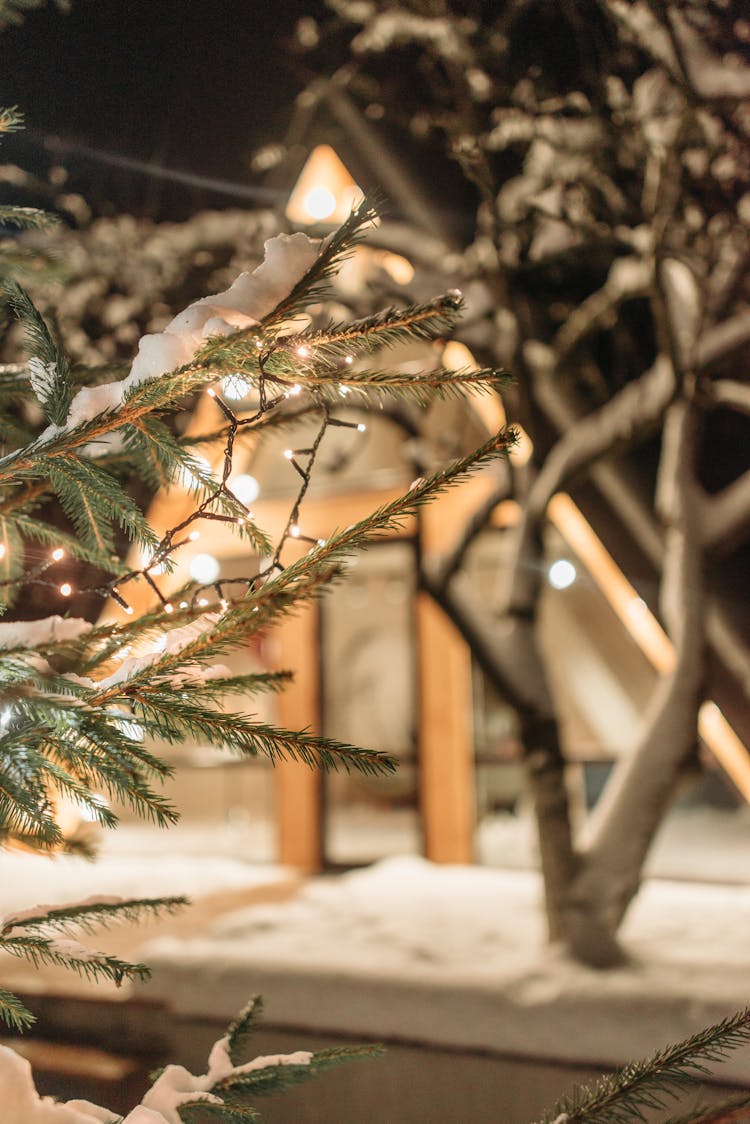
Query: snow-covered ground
446	955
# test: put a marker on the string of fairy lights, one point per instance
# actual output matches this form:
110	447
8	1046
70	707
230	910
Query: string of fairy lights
273	391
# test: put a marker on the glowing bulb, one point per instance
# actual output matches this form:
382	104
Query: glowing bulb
205	569
235	387
561	574
58	554
66	589
194	536
294	531
211	392
303	352
183	604
288	453
168	608
296	389
246	488
202	602
361	427
349	360
321	542
320	202
129	610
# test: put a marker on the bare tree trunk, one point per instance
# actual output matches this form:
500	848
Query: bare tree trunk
507	653
639	791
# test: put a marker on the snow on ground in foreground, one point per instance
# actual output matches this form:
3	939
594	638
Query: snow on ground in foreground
455	956
26	880
406	949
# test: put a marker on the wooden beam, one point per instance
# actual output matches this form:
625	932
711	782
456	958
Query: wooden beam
445	738
299	789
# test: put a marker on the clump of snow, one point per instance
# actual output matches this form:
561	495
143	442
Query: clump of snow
397	27
220	1065
173	643
47	630
456	956
74	950
685	307
175	1087
21	1104
42	377
247	300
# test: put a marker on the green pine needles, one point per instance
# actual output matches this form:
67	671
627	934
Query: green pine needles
83	698
644	1087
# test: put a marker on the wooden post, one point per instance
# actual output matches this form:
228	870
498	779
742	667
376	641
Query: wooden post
446	744
299	789
446	734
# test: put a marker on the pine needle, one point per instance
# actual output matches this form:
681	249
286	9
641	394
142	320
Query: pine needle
651	1083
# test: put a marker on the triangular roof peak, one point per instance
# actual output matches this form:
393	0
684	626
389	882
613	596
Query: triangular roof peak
325	190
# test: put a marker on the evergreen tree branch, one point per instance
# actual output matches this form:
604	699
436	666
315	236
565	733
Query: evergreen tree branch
732	1110
242	1027
13	1012
40	950
96	913
651	1083
48	368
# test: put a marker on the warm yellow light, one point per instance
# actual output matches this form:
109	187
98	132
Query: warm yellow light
320	202
488	407
520	453
725	745
622	596
325	190
647	632
398	268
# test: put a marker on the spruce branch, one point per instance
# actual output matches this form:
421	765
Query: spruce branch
278	1078
300	579
13	1012
335	250
171	718
423	389
48	368
242	1027
652	1082
34	530
732	1110
39	950
203	1112
26	218
94	501
95	913
11	118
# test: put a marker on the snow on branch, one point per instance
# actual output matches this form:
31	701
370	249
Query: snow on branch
248	299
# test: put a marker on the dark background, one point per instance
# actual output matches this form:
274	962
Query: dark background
191	85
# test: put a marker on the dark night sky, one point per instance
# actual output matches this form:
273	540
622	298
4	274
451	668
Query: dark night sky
191	84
